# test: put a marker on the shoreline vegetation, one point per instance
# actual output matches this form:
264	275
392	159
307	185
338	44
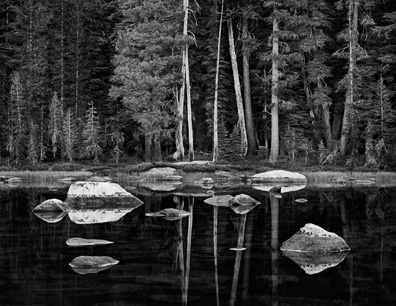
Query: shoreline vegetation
318	176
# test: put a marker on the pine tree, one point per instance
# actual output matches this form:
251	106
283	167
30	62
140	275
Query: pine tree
69	134
148	46
17	120
91	146
55	123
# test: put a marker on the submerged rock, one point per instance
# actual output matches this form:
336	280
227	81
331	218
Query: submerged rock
92	264
77	242
314	239
169	214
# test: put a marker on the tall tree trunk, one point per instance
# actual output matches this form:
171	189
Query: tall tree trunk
215	103
77	58
251	137
179	131
156	148
349	98
189	111
237	86
148	140
274	94
62	55
186	81
326	120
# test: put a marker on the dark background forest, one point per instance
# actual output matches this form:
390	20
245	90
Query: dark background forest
109	80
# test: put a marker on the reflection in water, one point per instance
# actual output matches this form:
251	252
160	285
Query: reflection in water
238	256
313	263
274	248
34	256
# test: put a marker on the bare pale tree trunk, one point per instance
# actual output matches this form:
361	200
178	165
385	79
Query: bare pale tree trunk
215	103
187	86
251	137
189	111
237	87
274	95
179	131
349	99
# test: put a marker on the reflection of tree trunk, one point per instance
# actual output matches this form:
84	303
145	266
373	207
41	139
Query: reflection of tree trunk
180	250
246	263
237	265
274	247
382	254
349	259
215	218
188	255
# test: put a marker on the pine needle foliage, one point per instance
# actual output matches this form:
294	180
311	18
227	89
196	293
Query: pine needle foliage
91	145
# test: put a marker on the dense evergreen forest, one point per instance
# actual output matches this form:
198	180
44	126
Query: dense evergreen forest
109	80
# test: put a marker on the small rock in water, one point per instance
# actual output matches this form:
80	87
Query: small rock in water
77	242
92	264
51	205
301	200
314	239
223	200
243	199
237	249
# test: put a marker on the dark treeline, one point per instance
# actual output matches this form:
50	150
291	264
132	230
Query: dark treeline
108	79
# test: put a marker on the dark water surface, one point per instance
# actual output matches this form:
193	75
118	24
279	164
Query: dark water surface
190	261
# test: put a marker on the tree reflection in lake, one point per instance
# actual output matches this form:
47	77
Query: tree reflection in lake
189	261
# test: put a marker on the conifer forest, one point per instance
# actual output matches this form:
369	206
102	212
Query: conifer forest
107	80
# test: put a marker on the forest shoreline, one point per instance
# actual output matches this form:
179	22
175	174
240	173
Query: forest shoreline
243	167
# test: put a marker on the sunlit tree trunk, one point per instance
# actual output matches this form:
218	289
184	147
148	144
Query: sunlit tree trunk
188	86
251	138
215	103
274	95
237	86
350	94
179	131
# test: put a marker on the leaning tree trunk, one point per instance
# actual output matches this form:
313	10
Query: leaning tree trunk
251	137
349	99
216	93
274	94
237	86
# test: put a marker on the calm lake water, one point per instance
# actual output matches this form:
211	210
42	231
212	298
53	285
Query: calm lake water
193	261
